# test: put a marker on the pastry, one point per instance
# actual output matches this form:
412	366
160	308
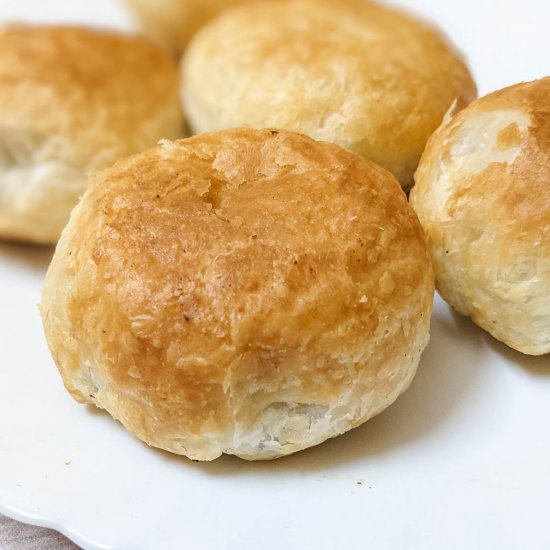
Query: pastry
249	292
72	101
369	78
483	196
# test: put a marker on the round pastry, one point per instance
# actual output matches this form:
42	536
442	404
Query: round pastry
172	23
366	77
72	101
243	292
483	196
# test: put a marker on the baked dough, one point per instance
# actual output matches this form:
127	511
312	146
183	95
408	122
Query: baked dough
244	292
74	100
483	196
368	78
172	23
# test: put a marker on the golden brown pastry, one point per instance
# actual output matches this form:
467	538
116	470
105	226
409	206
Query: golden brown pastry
368	78
243	292
483	196
74	100
172	23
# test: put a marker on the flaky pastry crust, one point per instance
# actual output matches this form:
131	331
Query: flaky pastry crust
173	23
368	78
243	292
74	100
483	196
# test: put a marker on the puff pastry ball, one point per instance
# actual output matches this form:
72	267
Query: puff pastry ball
172	23
72	101
483	196
244	292
368	78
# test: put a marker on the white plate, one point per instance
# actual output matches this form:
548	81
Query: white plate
460	461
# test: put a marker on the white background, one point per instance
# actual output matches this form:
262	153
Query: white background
461	461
